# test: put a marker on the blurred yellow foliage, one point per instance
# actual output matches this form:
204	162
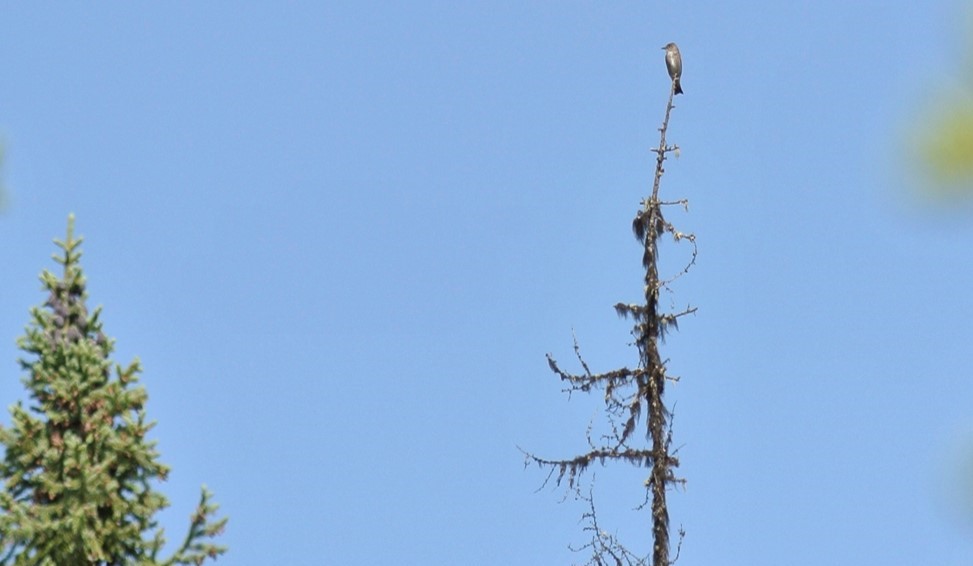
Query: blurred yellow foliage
944	135
946	148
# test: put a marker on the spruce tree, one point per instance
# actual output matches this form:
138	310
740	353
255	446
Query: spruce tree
78	470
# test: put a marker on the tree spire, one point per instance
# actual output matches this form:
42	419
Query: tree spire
77	466
634	398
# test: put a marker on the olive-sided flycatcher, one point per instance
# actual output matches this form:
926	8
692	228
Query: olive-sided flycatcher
674	65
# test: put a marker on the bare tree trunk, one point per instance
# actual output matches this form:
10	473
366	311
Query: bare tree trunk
628	392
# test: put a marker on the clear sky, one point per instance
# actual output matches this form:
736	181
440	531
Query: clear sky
342	236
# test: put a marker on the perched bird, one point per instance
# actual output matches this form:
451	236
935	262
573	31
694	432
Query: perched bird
674	66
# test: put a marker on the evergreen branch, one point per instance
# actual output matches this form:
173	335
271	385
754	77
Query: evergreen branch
195	549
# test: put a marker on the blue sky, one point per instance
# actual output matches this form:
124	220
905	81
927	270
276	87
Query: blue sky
341	238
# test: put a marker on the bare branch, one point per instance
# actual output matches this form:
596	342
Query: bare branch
604	546
574	467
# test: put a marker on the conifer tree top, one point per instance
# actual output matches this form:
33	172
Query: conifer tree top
78	469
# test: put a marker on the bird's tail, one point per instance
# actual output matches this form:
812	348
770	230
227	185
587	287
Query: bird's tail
676	87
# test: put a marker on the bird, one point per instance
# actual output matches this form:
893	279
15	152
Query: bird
674	66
